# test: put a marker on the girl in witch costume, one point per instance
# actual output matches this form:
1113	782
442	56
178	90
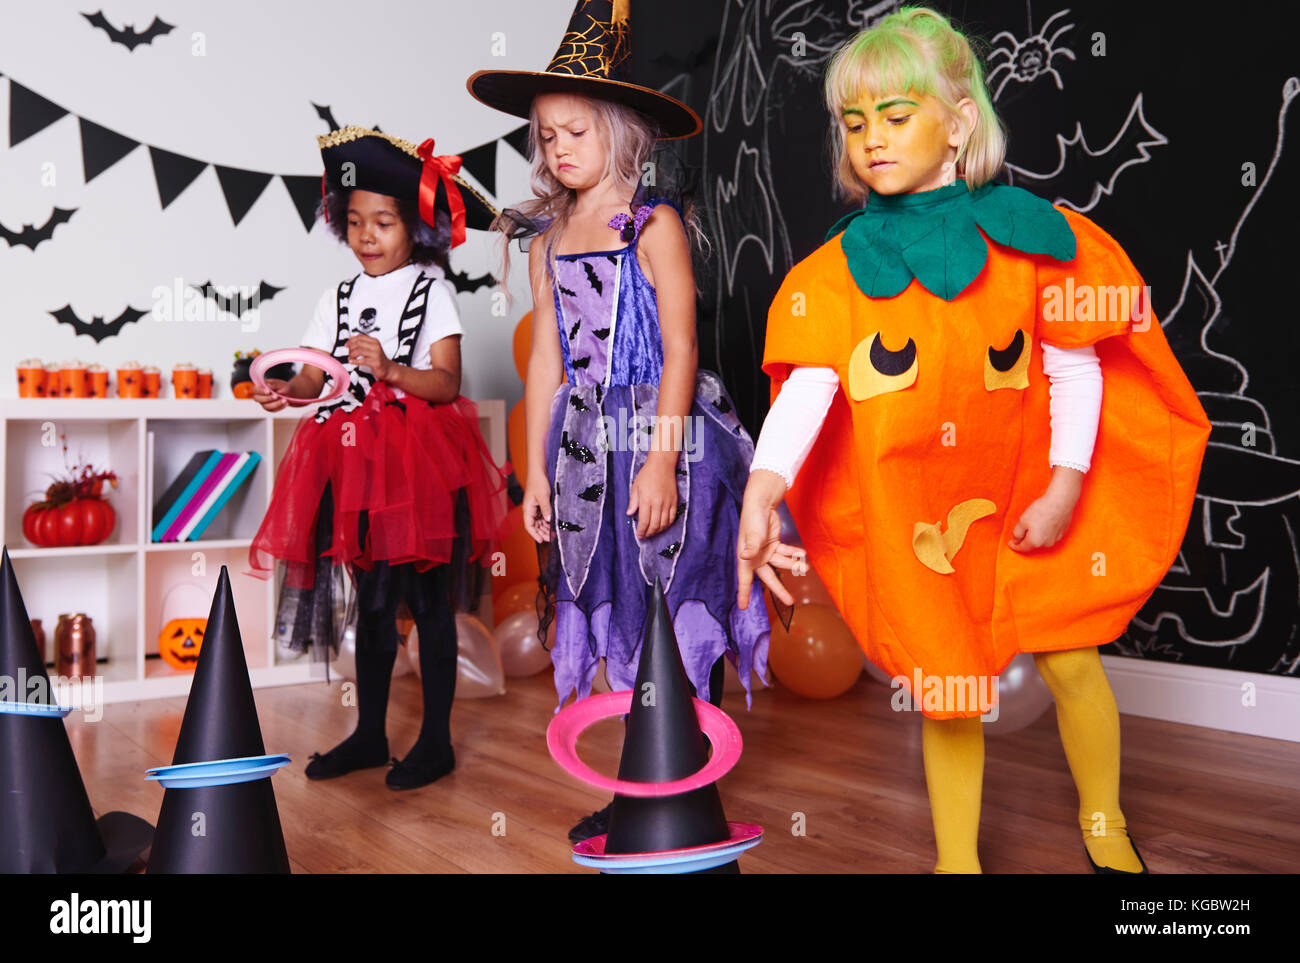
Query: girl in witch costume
637	461
968	490
393	481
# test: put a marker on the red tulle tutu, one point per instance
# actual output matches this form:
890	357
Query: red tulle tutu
405	462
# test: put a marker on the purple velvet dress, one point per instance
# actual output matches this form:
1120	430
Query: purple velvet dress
598	571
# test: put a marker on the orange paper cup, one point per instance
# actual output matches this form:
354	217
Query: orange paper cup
185	382
150	382
98	381
72	380
31	379
205	383
130	382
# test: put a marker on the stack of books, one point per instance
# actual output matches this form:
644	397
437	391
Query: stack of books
199	492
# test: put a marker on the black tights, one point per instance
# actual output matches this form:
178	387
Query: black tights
428	596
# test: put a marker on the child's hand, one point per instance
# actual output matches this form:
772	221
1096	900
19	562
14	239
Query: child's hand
1044	522
365	350
537	509
758	539
269	401
653	497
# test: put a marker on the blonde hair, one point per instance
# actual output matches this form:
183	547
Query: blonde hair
914	49
628	137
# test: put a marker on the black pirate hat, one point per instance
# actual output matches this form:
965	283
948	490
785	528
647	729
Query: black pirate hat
592	61
370	160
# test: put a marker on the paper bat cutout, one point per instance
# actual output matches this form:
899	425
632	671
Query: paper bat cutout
237	303
97	327
1083	175
31	235
128	36
463	283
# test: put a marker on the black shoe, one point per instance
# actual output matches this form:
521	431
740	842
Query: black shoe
594	825
346	757
1108	871
409	773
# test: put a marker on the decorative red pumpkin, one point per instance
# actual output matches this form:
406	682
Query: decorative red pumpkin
72	513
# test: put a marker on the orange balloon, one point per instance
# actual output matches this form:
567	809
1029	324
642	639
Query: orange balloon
521	597
520	553
523	344
517	442
807	589
818	658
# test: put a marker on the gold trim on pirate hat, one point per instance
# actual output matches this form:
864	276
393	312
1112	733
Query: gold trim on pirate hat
592	61
389	165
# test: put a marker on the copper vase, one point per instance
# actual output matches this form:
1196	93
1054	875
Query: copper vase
74	646
39	633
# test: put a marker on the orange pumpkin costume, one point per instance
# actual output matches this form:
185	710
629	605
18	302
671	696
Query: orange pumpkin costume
938	441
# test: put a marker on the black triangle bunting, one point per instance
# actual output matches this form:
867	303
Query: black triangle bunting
305	193
29	113
518	139
101	148
481	164
173	173
242	189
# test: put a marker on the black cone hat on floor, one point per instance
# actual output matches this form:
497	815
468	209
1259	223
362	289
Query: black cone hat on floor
220	829
46	823
664	743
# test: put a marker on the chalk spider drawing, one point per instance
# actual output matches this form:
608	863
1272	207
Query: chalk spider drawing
1026	60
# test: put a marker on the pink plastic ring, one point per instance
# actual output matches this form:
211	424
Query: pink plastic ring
326	362
563	732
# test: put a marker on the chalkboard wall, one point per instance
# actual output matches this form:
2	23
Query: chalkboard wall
1166	128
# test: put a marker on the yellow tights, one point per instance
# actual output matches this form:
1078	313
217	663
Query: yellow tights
953	750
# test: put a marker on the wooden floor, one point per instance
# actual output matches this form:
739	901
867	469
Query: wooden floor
1197	800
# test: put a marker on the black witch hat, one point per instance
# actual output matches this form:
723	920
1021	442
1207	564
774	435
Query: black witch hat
232	828
369	160
46	823
592	61
664	743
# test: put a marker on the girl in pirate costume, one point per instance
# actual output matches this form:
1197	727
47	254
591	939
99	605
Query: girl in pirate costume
637	461
393	480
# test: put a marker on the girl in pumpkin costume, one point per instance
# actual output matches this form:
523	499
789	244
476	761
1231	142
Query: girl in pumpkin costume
965	487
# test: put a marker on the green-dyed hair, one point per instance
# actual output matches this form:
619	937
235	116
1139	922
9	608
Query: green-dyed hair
914	50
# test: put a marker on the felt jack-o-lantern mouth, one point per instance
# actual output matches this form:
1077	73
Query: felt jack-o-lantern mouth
935	549
180	642
875	370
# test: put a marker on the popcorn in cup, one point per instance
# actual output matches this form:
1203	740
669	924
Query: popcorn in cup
31	378
72	380
130	380
98	376
185	381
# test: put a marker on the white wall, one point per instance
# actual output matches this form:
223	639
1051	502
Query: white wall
246	103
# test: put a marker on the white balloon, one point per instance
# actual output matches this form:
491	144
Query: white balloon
478	663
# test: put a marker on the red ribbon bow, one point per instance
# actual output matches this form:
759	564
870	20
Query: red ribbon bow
436	168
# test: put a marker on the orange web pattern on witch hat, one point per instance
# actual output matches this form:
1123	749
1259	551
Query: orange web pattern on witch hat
596	50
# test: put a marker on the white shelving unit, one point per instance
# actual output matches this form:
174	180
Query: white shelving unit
121	583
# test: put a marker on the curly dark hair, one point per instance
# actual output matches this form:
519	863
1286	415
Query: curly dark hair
432	244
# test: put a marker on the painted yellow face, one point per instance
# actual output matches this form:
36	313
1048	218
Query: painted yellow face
570	140
898	143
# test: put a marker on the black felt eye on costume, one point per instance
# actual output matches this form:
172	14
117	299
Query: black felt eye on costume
1008	367
892	362
1005	359
875	370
